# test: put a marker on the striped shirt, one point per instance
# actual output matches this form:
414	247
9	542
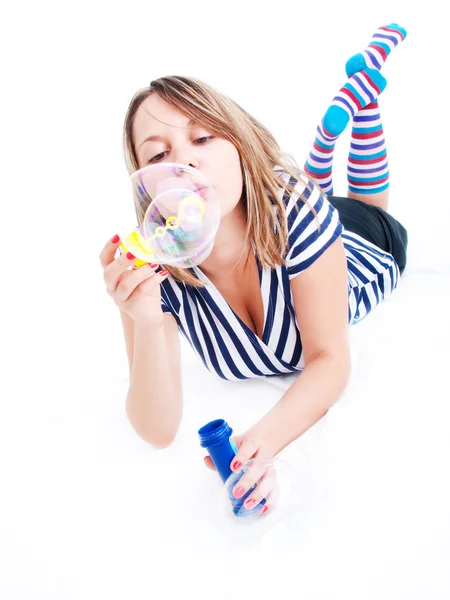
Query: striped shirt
226	345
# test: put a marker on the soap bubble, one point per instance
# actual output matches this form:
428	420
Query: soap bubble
179	215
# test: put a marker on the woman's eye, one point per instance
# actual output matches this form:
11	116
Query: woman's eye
199	141
208	137
157	157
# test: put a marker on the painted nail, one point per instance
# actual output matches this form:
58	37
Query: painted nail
236	464
153	266
239	492
163	273
115	239
130	256
249	503
264	510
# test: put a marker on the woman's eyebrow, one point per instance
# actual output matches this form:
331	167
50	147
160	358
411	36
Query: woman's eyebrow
158	138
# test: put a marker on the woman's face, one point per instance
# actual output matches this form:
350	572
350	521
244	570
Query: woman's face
176	139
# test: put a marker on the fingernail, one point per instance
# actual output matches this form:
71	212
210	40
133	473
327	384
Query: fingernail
115	239
130	256
264	510
153	266
236	464
239	492
249	503
163	273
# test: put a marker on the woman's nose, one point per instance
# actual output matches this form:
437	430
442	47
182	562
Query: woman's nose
189	164
184	173
185	158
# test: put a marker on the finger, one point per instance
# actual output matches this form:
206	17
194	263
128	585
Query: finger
116	272
263	489
109	250
272	499
145	279
209	463
246	449
254	469
237	439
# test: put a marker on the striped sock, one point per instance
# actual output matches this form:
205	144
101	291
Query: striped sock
367	166
361	89
320	160
384	40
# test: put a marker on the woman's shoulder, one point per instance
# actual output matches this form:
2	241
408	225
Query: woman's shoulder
303	194
312	222
295	175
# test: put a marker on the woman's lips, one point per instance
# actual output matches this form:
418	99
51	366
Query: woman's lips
203	192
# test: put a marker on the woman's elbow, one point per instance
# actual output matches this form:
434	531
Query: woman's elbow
157	439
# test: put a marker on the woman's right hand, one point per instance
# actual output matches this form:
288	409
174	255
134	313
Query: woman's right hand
135	291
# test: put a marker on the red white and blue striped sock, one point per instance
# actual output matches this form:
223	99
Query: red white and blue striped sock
383	41
367	166
361	89
320	160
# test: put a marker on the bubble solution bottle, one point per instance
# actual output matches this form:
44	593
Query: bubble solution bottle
215	437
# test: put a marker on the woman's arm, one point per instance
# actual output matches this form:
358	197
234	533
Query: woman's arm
320	296
154	400
305	402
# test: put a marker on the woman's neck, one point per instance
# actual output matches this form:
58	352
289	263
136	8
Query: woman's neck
230	250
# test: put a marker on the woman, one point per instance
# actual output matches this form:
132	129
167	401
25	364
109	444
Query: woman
292	265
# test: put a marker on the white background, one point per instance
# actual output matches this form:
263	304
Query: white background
85	508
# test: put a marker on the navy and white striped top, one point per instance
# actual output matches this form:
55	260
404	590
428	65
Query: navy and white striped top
227	346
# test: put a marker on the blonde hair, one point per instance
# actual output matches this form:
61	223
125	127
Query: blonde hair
258	151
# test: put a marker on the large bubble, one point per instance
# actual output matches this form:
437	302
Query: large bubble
178	211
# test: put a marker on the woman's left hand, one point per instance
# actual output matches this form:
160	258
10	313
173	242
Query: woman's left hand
259	474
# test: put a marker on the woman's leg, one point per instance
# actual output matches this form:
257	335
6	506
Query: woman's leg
360	90
367	165
357	99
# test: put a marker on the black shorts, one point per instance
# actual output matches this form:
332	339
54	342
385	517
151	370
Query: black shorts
373	224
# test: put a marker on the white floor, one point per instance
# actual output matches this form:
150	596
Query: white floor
91	511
